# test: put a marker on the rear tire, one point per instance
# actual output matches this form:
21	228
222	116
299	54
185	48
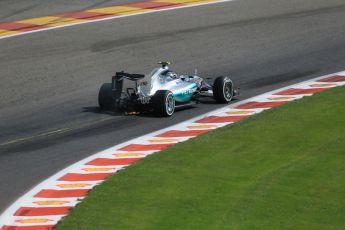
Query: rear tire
223	89
106	98
163	103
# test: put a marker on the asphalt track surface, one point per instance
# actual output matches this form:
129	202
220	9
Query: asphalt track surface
49	80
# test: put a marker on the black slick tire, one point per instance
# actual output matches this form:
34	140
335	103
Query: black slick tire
106	98
223	89
163	103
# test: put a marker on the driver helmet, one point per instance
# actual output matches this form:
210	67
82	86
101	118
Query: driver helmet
171	75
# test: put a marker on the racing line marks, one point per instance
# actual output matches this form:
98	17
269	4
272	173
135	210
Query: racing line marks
45	205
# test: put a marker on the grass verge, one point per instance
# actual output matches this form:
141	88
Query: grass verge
281	169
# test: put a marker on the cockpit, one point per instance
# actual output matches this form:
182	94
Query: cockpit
167	76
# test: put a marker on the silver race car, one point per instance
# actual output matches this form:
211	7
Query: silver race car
161	91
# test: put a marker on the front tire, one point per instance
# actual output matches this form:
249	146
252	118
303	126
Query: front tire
223	89
163	103
106	98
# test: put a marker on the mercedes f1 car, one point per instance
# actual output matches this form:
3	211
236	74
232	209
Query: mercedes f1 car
161	91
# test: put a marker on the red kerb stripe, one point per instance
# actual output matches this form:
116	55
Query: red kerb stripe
84	177
153	5
335	78
182	133
19	26
112	162
260	105
217	119
52	193
84	15
140	147
30	211
37	227
294	91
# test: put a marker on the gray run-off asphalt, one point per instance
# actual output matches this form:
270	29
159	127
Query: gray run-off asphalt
49	81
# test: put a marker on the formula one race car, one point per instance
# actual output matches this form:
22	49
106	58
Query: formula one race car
161	91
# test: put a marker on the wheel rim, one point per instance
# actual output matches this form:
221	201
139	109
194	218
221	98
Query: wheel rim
227	91
170	104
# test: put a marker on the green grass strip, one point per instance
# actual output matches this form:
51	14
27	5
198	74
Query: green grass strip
281	169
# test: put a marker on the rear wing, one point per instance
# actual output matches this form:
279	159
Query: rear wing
117	82
123	75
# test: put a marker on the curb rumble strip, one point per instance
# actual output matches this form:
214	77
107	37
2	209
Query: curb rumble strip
60	20
44	206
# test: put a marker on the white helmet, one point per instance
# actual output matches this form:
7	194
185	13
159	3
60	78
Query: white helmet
171	75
